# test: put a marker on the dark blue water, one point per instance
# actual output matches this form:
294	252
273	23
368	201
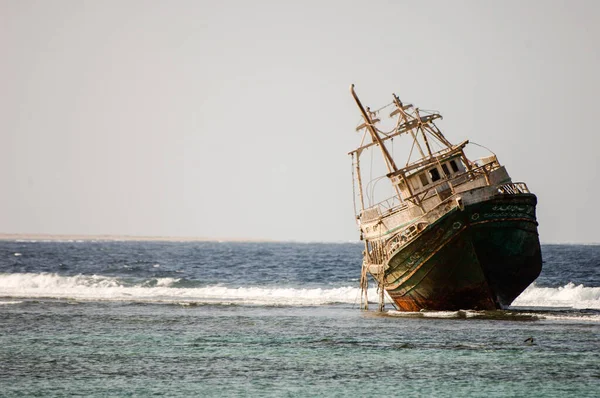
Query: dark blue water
241	264
200	263
276	319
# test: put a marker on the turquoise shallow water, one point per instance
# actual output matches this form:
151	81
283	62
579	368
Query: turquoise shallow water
93	332
99	349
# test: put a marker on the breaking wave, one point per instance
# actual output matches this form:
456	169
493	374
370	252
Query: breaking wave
10	302
570	295
178	290
104	288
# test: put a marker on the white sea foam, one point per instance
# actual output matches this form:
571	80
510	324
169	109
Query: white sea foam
10	302
95	287
570	317
570	296
427	314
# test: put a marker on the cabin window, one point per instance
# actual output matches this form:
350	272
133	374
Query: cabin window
424	179
435	174
445	169
454	166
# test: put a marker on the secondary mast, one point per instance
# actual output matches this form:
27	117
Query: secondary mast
391	165
389	161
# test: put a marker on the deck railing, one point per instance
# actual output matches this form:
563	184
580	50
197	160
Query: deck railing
394	203
458	179
386	206
381	252
513	188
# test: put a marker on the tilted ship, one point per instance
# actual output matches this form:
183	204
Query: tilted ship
455	234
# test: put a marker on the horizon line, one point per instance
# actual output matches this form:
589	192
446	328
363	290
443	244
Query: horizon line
160	238
157	238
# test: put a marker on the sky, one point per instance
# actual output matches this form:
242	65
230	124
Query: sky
233	119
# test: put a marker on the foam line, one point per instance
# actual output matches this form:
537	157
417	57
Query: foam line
569	295
96	287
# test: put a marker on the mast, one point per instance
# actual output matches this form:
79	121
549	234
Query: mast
420	127
410	123
399	106
359	181
391	165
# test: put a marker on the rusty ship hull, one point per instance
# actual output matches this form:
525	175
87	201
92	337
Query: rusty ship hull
481	257
455	233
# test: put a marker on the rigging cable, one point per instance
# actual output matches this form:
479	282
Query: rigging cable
354	190
371	177
392	144
391	131
411	150
474	143
370	190
375	181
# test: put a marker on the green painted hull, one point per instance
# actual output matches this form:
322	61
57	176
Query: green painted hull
481	258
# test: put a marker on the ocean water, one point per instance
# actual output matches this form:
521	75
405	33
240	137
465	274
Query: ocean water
277	319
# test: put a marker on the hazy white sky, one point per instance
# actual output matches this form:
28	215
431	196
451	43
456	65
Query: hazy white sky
233	118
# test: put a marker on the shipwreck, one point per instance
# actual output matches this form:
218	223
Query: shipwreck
455	233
